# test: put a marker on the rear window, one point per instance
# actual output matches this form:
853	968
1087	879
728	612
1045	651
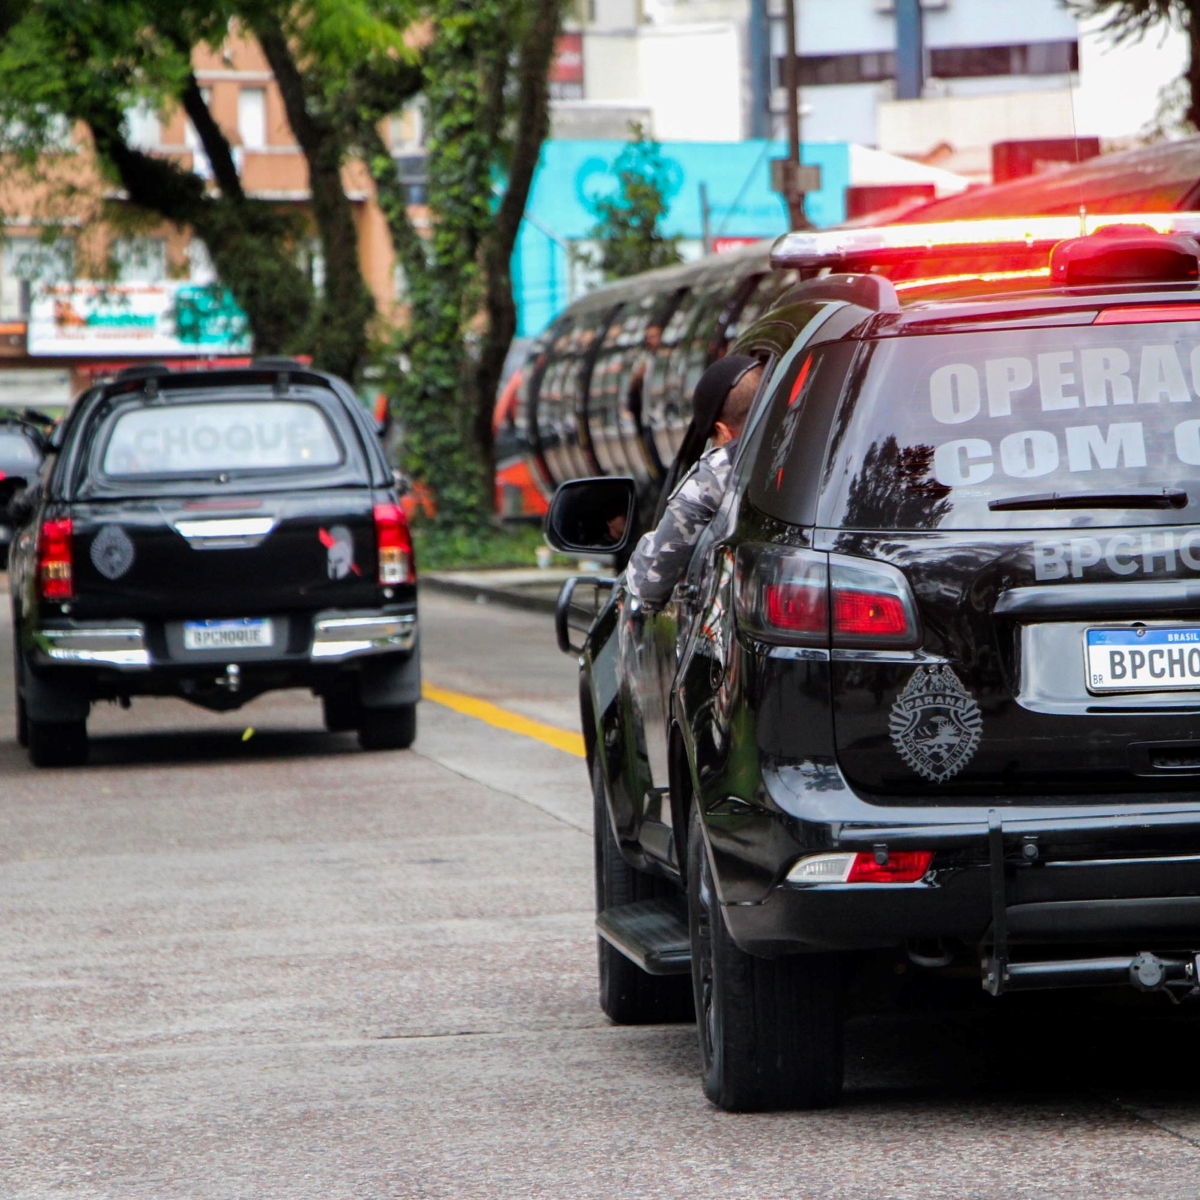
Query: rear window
191	439
933	428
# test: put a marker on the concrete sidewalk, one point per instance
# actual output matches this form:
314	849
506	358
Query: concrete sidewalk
531	588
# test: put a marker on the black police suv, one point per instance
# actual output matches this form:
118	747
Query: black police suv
213	535
931	688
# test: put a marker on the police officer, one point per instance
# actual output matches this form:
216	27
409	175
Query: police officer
720	407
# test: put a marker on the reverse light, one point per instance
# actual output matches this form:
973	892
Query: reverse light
393	545
900	866
55	575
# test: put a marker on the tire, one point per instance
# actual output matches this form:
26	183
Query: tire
770	1029
628	995
387	728
341	711
57	743
18	664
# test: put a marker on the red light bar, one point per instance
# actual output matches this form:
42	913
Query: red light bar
826	249
1146	314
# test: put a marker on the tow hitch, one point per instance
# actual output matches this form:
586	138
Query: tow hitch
1147	972
1175	974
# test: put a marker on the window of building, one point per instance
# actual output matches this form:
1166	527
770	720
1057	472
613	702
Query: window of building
252	117
945	62
140	259
200	263
142	126
26	263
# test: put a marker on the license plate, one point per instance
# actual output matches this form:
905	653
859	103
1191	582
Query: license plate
242	634
1141	659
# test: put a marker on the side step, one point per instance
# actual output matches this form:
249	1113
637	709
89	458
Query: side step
651	933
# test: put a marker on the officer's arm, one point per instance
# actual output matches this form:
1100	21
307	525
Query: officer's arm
662	556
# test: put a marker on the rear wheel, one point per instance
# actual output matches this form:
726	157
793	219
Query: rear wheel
770	1029
387	728
628	995
18	672
57	743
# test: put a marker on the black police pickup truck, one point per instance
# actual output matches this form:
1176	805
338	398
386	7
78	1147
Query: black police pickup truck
213	535
931	688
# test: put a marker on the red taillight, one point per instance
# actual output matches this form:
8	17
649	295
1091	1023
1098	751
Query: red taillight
787	595
868	614
902	866
55	579
797	607
393	545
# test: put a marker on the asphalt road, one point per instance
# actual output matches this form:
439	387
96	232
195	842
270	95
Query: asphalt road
275	966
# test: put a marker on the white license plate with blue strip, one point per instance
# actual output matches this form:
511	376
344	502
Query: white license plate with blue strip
1141	659
244	633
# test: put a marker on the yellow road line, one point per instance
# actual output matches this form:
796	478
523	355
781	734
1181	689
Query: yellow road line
503	718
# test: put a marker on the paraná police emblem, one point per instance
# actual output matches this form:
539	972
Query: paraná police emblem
112	552
935	723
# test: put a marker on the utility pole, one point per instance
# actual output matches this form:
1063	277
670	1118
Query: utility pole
788	177
760	70
705	218
910	50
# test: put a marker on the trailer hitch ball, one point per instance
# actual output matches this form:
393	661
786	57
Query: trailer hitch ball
1147	972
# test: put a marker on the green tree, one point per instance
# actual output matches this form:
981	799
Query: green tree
628	223
486	95
89	63
1130	20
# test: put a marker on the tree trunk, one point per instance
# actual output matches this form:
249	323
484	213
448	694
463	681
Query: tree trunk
248	242
532	107
339	338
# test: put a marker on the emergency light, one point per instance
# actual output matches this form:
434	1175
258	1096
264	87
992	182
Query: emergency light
1108	248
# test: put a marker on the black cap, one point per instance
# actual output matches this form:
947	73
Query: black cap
715	385
707	401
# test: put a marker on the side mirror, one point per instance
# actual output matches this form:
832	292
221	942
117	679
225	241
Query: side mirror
402	483
593	516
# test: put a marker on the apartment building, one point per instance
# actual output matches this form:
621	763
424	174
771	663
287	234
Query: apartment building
984	72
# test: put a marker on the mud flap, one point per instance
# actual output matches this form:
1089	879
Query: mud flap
393	682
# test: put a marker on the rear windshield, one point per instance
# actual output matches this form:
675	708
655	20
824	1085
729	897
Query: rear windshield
933	428
191	439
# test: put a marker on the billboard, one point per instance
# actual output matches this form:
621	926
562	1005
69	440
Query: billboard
172	318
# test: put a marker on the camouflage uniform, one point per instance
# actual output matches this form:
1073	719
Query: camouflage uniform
662	556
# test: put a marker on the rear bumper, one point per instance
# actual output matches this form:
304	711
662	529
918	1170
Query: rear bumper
125	645
1007	884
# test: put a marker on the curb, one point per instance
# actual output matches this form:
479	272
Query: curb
470	591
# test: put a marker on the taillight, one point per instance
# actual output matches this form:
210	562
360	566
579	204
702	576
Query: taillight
797	607
55	579
783	594
901	866
898	866
817	599
393	545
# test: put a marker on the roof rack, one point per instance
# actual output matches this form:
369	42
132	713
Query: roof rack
859	249
867	291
